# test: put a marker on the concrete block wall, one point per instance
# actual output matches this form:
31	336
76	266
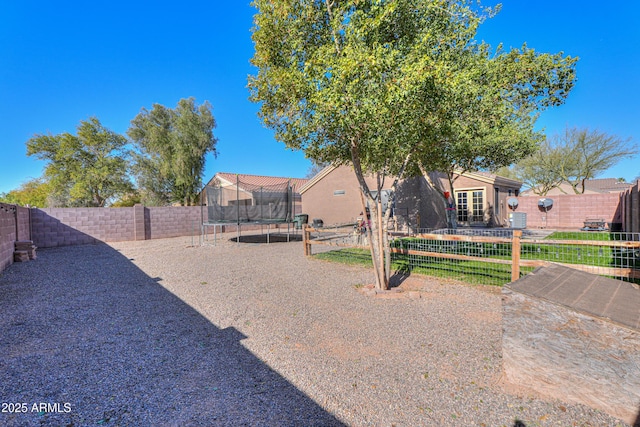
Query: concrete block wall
24	223
76	226
12	219
174	221
631	209
7	235
570	211
73	226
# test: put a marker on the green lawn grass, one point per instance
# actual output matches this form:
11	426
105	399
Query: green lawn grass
478	272
580	235
474	272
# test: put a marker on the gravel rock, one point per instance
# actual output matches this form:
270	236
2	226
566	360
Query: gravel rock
163	333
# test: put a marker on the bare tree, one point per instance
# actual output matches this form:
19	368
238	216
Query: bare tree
573	157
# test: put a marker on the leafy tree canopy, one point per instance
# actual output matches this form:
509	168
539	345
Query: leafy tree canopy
87	169
171	148
395	87
34	192
539	171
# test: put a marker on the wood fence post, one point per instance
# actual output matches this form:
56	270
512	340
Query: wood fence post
306	237
515	255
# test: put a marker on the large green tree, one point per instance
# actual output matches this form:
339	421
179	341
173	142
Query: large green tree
33	192
496	100
87	169
171	148
391	87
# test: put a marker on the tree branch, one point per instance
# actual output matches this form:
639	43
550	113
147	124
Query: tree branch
333	30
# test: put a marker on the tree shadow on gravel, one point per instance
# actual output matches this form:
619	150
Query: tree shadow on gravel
399	276
90	339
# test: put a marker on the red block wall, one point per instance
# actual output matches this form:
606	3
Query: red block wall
570	211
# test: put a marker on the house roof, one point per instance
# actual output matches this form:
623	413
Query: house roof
606	185
591	186
258	180
491	178
317	177
480	176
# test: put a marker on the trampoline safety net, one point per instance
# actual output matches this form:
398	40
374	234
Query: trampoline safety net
242	202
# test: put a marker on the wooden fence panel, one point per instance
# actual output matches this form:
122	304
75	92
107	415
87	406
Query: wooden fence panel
516	251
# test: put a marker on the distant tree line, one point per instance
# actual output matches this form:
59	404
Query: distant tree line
571	157
160	163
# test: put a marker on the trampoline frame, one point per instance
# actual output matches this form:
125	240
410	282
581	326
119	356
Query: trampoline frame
239	222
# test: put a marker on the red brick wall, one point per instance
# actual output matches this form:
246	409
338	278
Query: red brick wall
570	211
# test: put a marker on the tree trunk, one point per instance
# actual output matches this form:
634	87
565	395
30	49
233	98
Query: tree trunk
377	224
377	251
376	245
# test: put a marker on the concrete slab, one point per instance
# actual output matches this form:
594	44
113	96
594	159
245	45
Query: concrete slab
574	336
599	296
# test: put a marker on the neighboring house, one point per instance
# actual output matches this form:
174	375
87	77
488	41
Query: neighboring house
591	186
481	198
333	195
248	197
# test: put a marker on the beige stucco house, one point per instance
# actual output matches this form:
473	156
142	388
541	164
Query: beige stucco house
481	199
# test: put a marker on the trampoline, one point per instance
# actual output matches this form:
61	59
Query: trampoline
243	204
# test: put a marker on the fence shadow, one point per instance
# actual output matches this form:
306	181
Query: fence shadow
86	330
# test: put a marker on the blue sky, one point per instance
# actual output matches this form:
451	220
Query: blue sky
62	62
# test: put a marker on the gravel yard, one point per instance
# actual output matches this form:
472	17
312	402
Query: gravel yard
159	333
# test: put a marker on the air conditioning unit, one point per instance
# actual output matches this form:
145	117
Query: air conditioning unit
518	220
